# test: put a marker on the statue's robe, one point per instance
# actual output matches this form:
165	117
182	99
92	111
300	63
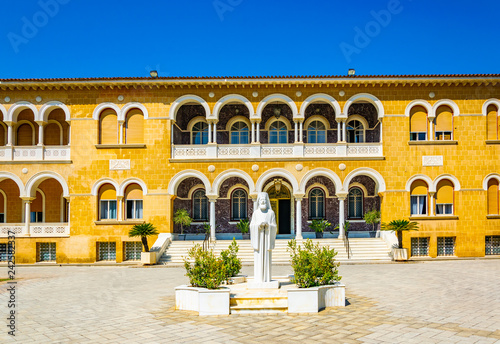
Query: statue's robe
263	241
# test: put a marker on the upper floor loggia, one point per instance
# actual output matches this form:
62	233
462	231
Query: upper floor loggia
277	128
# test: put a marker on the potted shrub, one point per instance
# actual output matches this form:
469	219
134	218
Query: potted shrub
399	226
372	218
144	230
181	217
244	227
319	227
316	276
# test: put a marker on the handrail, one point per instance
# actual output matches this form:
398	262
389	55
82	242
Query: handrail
346	244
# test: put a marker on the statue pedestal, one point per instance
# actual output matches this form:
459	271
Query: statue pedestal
274	284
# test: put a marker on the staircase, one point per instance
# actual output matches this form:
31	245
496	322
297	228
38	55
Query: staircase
362	249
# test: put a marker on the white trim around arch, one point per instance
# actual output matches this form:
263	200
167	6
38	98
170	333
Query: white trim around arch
277	172
228	99
15	179
4	112
321	172
365	97
16	108
320	98
179	177
418	102
446	102
122	115
4	210
425	178
452	178
365	171
232	173
487	179
492	101
38	178
97	185
276	97
189	98
103	106
47	108
123	186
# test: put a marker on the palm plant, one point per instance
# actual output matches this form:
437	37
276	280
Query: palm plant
243	226
319	226
182	218
399	226
143	230
372	217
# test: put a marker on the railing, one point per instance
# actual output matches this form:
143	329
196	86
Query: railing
60	229
276	151
35	153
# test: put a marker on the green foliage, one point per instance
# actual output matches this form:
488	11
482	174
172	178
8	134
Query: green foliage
208	270
181	217
347	224
143	230
319	226
313	265
230	260
399	226
243	226
372	217
206	228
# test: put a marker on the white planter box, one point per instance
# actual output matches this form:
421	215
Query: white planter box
399	254
312	300
148	258
202	300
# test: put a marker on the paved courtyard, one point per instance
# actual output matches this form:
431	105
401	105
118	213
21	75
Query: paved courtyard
424	302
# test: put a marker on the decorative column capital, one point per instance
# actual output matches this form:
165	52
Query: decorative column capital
212	198
342	195
298	196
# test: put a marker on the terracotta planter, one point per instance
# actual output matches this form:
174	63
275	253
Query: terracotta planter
148	258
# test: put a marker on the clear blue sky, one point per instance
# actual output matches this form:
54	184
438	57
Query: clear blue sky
99	38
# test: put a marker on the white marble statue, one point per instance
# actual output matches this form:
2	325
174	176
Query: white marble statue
263	236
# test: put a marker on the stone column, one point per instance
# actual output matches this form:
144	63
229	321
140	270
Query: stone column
253	132
212	218
41	125
209	132
301	133
258	133
69	134
27	214
431	203
431	131
9	133
120	134
298	219
344	134
342	197
296	132
214	138
381	132
119	208
339	138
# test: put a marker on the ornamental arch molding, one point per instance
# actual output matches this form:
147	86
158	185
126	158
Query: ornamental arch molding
232	173
47	108
277	97
101	107
452	178
320	172
425	178
179	177
15	179
231	98
189	98
418	102
277	172
367	98
97	185
447	102
122	115
123	186
489	102
38	178
365	171
16	108
488	178
317	98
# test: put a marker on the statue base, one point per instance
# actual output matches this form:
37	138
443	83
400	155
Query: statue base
274	284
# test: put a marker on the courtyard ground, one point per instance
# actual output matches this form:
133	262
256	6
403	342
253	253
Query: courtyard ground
417	302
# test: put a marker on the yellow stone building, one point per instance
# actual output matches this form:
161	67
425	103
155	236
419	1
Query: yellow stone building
82	160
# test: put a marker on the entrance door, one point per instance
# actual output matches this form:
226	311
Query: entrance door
280	203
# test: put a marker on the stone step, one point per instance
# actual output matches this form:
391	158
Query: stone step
257	309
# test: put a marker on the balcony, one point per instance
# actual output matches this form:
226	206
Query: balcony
329	151
47	230
35	153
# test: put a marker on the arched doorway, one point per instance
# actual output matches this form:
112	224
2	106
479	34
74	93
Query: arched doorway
280	197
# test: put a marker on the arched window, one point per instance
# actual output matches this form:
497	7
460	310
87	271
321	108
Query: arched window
200	206
199	134
444	198
133	202
53	134
134	127
418	124
239	133
317	204
492	119
107	202
316	132
278	132
493	197
239	205
108	128
444	123
418	198
3	134
25	135
355	132
355	204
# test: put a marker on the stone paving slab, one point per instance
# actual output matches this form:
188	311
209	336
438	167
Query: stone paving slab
425	302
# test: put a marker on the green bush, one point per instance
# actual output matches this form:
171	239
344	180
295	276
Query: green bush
210	271
319	226
313	265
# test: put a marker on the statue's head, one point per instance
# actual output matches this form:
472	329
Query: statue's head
263	201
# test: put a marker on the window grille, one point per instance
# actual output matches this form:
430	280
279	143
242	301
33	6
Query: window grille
419	247
492	245
106	250
317	204
446	246
239	205
5	252
47	252
133	250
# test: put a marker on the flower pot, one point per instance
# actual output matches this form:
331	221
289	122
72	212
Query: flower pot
319	235
246	236
148	258
312	300
181	236
399	254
